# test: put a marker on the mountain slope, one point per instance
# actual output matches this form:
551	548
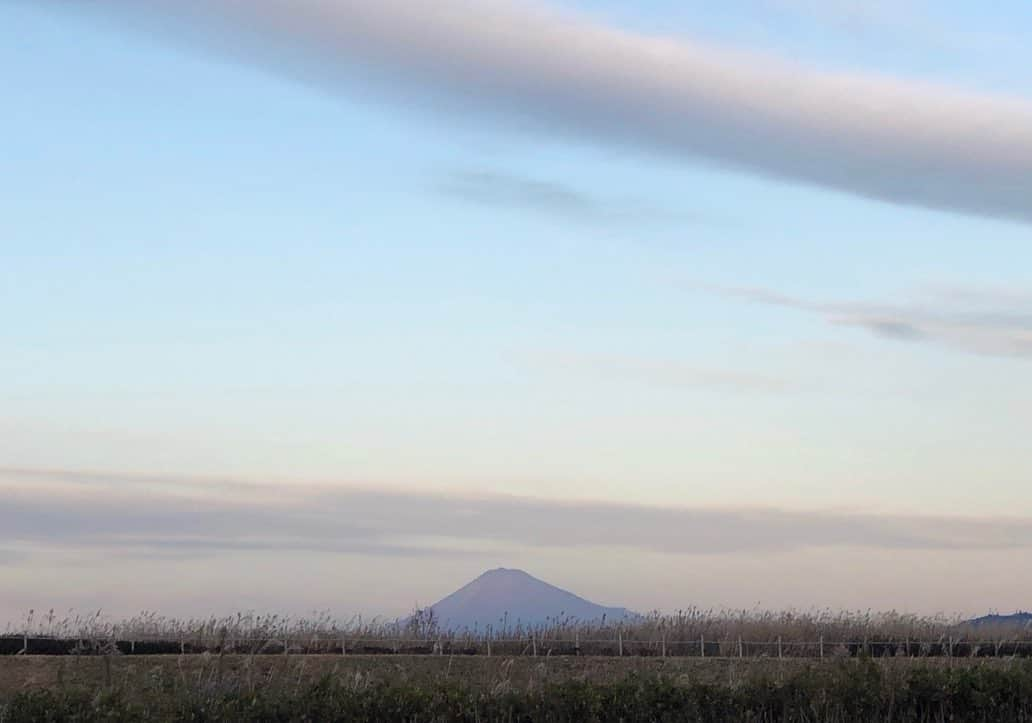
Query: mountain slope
503	598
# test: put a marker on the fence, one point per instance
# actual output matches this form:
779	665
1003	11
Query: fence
523	646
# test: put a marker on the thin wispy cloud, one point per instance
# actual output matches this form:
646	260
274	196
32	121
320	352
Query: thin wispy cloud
71	511
896	140
500	189
978	321
557	200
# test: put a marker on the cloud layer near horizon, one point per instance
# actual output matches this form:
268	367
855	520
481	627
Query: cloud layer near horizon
153	518
899	141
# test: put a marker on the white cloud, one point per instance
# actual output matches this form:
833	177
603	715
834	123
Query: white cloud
130	516
878	137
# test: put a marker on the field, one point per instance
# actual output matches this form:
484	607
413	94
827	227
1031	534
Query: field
445	688
480	674
688	633
694	665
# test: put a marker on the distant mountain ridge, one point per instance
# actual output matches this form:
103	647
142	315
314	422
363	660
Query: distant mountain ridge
1018	619
504	598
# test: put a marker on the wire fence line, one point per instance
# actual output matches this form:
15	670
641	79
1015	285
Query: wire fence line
517	646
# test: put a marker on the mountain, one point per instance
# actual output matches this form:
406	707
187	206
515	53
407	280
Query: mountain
1017	620
504	598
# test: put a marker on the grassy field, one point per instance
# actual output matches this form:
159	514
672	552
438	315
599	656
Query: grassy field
693	632
443	688
481	674
693	665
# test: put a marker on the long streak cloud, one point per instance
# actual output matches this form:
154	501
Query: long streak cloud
899	141
154	517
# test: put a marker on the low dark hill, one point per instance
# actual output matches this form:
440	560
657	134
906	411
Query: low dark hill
1017	620
503	598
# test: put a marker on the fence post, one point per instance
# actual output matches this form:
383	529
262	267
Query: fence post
489	647
820	644
25	644
576	642
619	642
533	645
741	650
780	655
702	646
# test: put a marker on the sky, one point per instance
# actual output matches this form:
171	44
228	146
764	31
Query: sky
333	305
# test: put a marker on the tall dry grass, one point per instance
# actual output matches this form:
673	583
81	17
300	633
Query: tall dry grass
688	631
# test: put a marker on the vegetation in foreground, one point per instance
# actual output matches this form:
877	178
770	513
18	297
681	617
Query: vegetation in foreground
863	690
691	632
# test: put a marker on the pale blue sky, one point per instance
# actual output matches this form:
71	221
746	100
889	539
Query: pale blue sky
211	269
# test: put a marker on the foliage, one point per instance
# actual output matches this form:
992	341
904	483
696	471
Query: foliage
843	691
728	633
